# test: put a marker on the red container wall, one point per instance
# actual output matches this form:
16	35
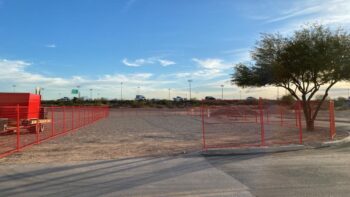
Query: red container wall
34	106
30	102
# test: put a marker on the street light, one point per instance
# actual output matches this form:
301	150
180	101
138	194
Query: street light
78	86
138	90
222	92
189	82
14	88
169	94
121	90
41	93
91	93
278	93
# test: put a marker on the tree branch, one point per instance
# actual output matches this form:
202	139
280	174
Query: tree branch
323	98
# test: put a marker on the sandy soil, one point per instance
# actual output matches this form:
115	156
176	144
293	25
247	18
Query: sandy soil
122	135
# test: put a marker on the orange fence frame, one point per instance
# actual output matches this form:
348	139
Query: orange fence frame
332	131
96	113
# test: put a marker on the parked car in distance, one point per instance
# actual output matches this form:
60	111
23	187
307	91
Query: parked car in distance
210	98
64	99
140	98
250	98
178	99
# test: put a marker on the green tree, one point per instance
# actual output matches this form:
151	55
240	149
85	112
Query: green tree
288	99
302	63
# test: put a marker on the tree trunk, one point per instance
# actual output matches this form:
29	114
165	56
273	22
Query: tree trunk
310	125
310	122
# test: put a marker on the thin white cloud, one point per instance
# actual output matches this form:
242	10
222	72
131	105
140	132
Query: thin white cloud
294	12
18	72
50	46
239	55
183	75
211	63
332	13
165	62
147	61
207	69
137	62
15	70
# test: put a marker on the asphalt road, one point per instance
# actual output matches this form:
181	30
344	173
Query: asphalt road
321	172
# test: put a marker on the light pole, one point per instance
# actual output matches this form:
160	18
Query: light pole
138	90
41	93
222	92
169	94
189	82
348	93
91	93
278	93
14	88
121	90
78	86
240	94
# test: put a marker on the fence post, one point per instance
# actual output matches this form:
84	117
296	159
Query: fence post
203	127
281	115
331	120
299	123
79	121
17	129
52	122
267	116
72	117
91	117
94	114
262	122
37	130
64	119
84	116
296	114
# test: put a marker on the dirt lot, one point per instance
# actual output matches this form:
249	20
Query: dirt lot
134	133
122	135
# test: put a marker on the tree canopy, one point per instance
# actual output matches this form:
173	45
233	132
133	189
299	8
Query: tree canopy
310	58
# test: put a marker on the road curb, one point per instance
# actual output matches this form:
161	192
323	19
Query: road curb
273	149
335	143
253	150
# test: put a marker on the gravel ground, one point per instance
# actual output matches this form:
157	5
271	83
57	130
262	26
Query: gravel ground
121	135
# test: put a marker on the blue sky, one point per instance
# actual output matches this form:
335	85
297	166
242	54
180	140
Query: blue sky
151	44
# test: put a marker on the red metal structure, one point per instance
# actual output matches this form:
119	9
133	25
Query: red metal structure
248	123
24	122
28	100
31	115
